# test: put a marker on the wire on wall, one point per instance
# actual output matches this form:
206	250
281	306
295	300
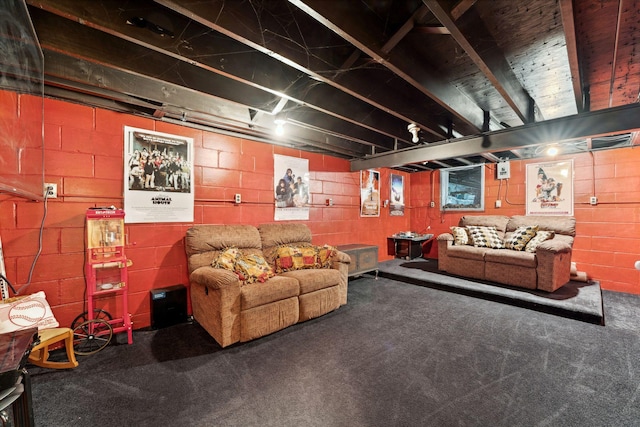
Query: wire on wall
37	255
506	196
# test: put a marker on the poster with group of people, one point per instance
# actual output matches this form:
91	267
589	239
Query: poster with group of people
291	184
158	176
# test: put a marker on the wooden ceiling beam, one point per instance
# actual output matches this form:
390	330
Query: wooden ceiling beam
363	35
568	23
81	79
238	21
199	47
471	34
461	7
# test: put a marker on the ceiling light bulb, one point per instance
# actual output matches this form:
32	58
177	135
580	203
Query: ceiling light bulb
413	129
552	151
279	126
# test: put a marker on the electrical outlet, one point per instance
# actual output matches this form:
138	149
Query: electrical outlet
238	198
50	190
498	203
329	202
593	200
432	204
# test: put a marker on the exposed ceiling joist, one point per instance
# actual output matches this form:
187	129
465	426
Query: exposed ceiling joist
566	9
485	53
362	34
350	76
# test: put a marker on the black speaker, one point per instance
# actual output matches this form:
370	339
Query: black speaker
168	306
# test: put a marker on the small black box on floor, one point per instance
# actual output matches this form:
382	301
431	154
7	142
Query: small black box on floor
168	306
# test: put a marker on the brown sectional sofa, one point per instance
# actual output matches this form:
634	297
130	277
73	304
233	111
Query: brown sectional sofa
231	311
547	269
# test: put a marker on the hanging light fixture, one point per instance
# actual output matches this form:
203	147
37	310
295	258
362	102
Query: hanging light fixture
279	122
414	129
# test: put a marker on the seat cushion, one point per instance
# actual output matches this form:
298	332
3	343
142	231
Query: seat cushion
467	252
275	289
510	257
313	280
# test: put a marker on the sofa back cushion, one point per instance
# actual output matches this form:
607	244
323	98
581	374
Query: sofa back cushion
282	234
204	242
497	221
565	225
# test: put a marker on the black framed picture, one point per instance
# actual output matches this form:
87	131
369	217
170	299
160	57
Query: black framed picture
462	188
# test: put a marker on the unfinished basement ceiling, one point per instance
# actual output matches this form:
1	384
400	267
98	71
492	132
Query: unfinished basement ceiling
483	80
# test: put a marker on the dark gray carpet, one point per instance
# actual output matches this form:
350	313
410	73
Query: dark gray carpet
577	300
396	355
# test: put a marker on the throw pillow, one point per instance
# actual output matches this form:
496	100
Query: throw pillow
540	237
485	237
324	255
253	268
520	237
26	312
460	236
227	259
295	258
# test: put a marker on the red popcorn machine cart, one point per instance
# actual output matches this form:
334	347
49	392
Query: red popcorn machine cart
107	282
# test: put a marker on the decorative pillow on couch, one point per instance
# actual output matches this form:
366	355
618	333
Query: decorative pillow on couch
460	236
540	237
325	253
249	268
253	268
485	237
520	237
290	258
227	259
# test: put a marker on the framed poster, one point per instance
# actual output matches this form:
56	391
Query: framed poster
462	188
369	193
158	177
397	195
291	188
549	188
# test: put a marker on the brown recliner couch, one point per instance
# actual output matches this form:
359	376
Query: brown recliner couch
546	269
231	311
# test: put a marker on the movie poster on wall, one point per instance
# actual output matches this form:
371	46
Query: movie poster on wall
396	207
291	185
549	188
369	193
158	177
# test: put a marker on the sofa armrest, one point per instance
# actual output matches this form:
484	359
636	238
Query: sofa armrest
554	246
215	278
447	237
340	261
340	256
445	241
554	264
215	301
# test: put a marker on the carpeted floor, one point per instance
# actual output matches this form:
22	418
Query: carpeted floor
396	355
576	300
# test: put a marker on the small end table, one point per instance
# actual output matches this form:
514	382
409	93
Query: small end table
407	246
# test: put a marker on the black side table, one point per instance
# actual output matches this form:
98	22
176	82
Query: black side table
407	246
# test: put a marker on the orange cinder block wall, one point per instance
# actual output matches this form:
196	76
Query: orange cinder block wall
607	242
84	155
